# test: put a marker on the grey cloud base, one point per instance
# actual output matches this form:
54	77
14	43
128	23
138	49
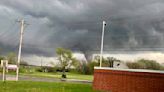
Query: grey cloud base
76	24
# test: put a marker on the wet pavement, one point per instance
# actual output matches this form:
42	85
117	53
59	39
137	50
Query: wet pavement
44	79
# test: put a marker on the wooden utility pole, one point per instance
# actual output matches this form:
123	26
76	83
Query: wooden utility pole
22	22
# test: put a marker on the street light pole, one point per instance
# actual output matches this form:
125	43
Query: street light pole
102	43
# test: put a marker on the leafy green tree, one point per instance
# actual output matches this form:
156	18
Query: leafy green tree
106	62
110	61
2	58
11	57
66	60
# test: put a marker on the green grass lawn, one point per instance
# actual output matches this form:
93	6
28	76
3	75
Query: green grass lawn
29	86
58	75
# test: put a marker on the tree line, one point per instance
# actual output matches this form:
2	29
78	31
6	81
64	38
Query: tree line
67	63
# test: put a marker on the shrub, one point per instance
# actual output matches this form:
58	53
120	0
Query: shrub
144	64
83	69
133	65
150	64
162	68
87	68
46	69
27	69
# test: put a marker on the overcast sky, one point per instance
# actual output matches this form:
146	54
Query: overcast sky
76	24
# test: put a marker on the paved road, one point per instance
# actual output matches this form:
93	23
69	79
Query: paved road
44	79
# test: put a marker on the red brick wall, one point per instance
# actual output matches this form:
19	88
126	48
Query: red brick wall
126	81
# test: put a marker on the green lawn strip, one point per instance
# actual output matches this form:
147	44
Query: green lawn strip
30	86
58	75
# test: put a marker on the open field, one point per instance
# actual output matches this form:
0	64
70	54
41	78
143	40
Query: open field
29	86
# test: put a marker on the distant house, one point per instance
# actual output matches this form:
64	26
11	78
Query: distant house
12	67
120	65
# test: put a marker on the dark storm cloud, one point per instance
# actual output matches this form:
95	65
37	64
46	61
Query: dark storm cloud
76	24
